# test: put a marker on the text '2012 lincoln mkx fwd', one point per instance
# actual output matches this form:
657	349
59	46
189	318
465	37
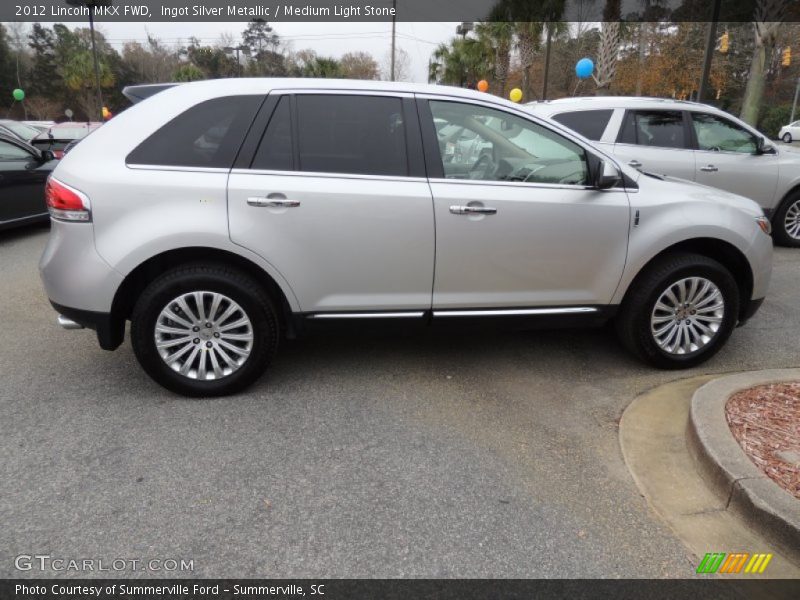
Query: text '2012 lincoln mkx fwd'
220	216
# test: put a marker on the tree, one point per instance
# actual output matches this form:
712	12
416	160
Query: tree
608	49
359	65
264	44
462	61
529	39
402	65
8	80
188	72
44	77
498	37
768	17
150	63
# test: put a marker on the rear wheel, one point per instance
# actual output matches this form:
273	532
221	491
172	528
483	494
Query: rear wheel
204	330
679	312
786	222
787	137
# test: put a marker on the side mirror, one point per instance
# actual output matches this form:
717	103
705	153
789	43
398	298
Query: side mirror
607	176
762	147
47	155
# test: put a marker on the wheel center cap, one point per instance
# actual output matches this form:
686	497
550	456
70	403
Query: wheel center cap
206	334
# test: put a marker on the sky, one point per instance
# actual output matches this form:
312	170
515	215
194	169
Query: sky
327	39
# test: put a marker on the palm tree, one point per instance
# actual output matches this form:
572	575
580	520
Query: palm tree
529	41
498	38
461	60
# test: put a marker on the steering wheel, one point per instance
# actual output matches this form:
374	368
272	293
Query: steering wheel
483	158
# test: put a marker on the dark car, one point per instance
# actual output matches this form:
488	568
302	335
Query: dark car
20	130
23	174
60	135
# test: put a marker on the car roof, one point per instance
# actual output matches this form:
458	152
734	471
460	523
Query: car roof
12	139
252	85
609	102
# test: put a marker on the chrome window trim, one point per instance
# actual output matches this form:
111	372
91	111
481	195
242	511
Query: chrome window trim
324	175
509	312
369	315
178	168
339	92
655	147
528	184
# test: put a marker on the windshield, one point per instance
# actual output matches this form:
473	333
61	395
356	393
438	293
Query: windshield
20	129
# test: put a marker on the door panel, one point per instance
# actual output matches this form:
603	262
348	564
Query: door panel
22	180
726	158
350	244
518	226
656	141
543	247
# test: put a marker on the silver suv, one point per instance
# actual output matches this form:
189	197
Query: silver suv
691	141
219	216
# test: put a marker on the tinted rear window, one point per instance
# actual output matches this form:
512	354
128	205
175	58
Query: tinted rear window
589	123
351	134
660	128
207	135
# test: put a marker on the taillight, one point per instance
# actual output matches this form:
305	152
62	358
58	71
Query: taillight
59	154
66	204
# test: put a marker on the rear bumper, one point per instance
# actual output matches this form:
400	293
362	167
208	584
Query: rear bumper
110	330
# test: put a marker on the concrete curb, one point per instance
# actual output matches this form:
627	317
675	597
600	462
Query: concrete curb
743	488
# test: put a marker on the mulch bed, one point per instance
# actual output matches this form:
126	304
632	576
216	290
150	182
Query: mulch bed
765	420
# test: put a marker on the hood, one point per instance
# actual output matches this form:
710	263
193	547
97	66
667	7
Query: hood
696	191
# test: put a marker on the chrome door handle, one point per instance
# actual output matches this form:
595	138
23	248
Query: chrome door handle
272	203
709	169
472	210
635	164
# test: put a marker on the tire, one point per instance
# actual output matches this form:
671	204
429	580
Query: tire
787	137
245	319
634	323
786	222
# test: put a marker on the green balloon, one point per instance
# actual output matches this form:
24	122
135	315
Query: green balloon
19	95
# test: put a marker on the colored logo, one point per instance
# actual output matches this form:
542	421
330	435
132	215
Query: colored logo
737	562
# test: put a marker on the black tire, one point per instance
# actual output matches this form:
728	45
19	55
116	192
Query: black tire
779	231
633	321
235	285
787	137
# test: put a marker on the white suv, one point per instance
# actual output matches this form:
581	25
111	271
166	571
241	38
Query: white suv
219	216
691	141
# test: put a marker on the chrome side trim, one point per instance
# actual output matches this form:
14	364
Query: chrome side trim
372	315
510	312
177	168
327	175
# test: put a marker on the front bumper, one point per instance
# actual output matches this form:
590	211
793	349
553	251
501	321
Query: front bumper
110	330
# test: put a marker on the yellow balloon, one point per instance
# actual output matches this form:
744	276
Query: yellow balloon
515	95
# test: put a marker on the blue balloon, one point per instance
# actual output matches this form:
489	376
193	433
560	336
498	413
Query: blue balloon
584	68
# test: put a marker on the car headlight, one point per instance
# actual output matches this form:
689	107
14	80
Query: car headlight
764	224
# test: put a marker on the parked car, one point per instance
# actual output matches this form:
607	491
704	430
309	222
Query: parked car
789	133
42	126
19	130
23	172
60	135
218	216
695	142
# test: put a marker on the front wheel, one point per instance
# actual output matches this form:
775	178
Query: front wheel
786	222
787	137
204	330
679	312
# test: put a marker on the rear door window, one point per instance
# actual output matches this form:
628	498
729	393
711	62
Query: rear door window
275	150
659	128
207	135
589	123
356	134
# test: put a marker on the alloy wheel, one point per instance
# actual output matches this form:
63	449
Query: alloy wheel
791	222
687	315
203	335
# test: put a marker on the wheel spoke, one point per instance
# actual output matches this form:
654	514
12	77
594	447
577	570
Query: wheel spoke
194	341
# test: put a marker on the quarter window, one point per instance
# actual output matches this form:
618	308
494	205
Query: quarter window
207	135
351	134
660	128
717	134
481	143
589	123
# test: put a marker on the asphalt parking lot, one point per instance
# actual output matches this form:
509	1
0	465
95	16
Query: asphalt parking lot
426	455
